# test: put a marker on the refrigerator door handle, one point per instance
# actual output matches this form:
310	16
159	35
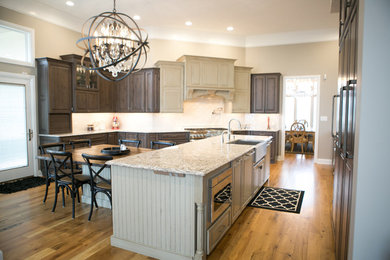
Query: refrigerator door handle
346	121
333	99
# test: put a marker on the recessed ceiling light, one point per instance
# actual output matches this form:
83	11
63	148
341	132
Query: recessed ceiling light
33	13
188	23
69	3
230	28
136	17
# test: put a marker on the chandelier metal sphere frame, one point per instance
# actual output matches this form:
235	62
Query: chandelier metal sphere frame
115	44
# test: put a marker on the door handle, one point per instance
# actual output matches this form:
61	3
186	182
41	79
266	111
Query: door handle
30	134
333	99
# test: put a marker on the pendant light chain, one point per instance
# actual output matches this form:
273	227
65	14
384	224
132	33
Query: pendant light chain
114	10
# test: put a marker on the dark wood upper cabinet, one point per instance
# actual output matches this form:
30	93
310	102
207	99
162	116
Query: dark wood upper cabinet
106	95
84	84
265	90
139	92
55	96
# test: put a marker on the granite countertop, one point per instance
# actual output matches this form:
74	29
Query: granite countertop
149	130
197	158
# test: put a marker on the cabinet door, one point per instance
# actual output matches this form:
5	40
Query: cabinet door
93	101
272	94
247	179
225	76
60	92
152	91
137	94
257	93
236	189
81	103
209	76
172	84
193	72
123	94
112	138
106	95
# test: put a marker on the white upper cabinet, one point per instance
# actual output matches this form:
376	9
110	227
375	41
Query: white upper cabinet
171	86
242	85
208	73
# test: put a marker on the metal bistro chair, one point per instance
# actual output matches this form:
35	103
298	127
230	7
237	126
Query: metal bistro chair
129	141
298	135
69	178
160	142
49	169
98	183
80	141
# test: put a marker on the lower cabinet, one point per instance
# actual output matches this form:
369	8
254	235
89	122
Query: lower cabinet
218	229
242	184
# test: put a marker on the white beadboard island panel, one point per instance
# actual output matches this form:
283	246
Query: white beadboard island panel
155	214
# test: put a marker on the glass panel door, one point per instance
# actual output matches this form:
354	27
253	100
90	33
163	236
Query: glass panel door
15	148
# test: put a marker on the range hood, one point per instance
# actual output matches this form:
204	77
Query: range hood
207	77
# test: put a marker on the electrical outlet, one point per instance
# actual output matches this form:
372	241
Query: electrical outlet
323	118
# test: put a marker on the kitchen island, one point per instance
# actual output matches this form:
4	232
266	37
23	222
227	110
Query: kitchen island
164	204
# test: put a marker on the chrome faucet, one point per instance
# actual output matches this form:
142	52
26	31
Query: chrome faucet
229	129
222	136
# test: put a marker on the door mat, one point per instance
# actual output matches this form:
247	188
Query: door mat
278	199
21	184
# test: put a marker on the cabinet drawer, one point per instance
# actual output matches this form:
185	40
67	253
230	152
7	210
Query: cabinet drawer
97	139
172	136
218	229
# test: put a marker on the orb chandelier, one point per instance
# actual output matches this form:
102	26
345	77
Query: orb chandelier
115	45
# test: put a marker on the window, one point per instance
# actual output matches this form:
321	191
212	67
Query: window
16	44
301	101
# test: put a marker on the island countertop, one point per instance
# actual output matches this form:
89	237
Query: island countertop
197	158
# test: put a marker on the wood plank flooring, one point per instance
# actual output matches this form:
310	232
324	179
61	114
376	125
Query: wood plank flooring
29	230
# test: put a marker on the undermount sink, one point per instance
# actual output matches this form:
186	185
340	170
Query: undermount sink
245	142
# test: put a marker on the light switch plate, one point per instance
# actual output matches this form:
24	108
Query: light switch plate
323	118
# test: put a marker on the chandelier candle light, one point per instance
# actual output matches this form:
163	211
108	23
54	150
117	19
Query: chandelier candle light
115	45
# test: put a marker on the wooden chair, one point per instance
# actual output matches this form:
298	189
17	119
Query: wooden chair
83	142
160	142
69	178
298	135
130	141
49	168
98	183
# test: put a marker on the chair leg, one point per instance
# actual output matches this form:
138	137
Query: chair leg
63	196
292	147
47	189
73	193
302	148
78	195
55	198
94	198
91	210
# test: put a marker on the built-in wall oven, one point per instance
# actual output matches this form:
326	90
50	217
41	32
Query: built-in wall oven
220	195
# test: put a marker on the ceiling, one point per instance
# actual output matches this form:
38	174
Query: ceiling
255	22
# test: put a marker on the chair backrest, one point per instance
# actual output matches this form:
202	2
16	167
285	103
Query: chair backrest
130	141
159	142
298	132
95	174
80	141
61	160
52	146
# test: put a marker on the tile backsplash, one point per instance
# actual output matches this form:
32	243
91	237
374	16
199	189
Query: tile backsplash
202	112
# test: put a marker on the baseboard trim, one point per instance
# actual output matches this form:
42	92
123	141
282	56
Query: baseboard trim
146	250
323	161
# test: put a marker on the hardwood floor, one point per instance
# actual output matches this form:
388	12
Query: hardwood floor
29	230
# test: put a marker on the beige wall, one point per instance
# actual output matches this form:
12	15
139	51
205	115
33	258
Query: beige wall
172	50
304	59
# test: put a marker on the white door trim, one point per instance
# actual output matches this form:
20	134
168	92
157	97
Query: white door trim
29	82
318	77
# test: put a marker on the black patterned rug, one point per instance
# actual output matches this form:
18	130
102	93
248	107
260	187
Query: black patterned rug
278	199
21	184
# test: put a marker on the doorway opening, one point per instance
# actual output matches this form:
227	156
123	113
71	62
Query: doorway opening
300	119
